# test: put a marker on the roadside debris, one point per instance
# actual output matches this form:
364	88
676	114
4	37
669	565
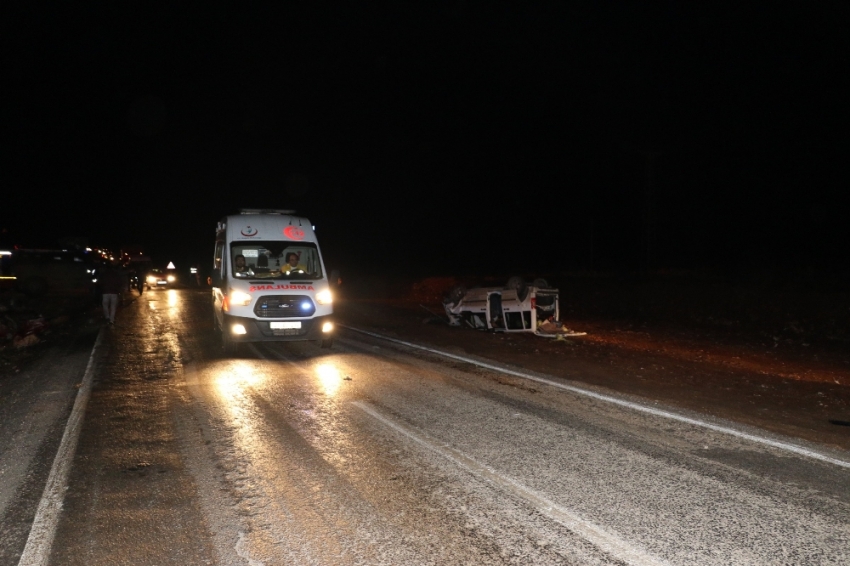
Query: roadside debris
556	329
24	334
29	332
25	341
433	318
516	307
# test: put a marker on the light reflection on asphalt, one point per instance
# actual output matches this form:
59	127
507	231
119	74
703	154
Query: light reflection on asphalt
234	379
234	384
329	377
274	489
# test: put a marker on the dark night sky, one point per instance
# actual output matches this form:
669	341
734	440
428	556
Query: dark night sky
416	136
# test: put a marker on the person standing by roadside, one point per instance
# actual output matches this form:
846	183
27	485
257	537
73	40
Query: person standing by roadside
112	285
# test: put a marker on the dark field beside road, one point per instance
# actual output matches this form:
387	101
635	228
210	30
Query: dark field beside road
771	353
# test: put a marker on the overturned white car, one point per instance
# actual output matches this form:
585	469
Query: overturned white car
516	307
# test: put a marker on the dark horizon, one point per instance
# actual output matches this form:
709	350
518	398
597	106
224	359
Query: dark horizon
442	138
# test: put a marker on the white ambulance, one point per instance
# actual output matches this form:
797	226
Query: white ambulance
269	281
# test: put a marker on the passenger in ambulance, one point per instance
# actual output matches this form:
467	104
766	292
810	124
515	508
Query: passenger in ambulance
292	264
239	264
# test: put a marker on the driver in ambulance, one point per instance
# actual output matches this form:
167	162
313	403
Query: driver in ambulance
292	263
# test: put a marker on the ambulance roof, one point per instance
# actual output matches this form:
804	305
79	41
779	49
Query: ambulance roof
264	225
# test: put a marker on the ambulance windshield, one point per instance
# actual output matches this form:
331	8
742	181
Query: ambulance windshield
275	260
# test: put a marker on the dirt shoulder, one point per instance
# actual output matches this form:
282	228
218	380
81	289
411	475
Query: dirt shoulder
30	327
796	392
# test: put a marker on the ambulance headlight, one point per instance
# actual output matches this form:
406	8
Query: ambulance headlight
327	327
324	297
240	298
238	329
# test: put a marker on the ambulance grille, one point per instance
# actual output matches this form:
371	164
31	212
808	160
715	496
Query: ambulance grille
284	306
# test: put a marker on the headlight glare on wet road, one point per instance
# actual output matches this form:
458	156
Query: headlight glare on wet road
233	379
329	377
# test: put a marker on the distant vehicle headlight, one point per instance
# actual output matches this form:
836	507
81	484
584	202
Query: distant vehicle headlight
240	298
170	279
324	297
151	279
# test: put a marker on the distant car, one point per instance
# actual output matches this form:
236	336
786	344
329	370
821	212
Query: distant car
158	278
36	272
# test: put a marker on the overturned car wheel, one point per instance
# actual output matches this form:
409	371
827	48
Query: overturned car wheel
518	284
455	295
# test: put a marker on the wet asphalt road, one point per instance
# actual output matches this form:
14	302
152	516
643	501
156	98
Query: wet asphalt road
370	453
34	409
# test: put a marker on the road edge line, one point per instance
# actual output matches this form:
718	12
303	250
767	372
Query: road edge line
40	540
786	446
608	542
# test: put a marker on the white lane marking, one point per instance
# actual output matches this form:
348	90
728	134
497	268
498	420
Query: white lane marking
243	552
37	550
608	542
786	446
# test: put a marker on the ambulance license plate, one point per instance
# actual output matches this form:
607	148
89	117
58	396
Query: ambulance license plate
284	325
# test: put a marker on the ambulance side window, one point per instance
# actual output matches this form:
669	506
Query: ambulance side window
219	253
